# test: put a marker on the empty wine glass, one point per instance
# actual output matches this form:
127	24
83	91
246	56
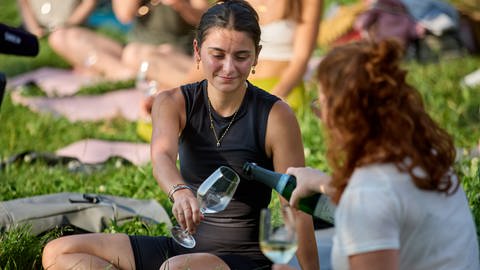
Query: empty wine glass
213	196
278	236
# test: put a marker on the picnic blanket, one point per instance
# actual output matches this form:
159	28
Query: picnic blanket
120	103
95	151
53	81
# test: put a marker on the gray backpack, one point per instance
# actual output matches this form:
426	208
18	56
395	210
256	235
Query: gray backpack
87	212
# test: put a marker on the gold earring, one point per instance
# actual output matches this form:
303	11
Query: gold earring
198	64
253	70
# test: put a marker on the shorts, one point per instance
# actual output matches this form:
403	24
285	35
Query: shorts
151	252
296	99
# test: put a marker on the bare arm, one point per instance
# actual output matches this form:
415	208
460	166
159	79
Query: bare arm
284	144
305	42
168	119
29	19
375	260
190	10
125	11
81	12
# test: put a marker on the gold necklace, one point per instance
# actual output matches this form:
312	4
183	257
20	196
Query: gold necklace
213	127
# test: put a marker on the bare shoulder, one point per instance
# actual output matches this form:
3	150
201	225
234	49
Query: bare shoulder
282	114
168	98
282	123
168	112
169	105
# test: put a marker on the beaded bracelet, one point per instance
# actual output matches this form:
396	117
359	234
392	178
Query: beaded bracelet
176	188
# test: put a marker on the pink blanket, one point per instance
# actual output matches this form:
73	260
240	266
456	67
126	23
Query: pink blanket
124	103
97	151
53	81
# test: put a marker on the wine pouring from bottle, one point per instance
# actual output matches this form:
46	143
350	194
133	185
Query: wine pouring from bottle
318	205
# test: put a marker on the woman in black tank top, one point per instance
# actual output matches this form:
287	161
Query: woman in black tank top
222	120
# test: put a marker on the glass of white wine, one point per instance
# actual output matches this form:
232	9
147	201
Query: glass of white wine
213	196
278	235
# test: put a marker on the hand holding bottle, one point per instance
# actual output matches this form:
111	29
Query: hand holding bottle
317	204
309	181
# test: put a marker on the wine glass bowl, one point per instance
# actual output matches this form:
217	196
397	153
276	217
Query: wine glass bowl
213	196
217	190
278	236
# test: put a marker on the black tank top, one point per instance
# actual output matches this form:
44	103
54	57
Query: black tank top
236	228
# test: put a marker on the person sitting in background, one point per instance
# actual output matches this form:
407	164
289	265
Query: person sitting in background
436	16
388	19
161	34
222	120
400	204
42	17
289	36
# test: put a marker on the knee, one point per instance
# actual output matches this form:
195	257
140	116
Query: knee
57	38
179	262
51	251
64	38
198	261
132	54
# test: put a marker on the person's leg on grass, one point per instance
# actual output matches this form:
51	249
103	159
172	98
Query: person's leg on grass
89	251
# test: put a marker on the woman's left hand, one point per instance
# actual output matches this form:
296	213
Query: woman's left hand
309	181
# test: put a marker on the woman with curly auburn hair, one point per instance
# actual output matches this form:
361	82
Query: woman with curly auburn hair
400	205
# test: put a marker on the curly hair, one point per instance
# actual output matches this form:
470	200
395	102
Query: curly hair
375	116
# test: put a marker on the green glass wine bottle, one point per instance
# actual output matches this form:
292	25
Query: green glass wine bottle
318	205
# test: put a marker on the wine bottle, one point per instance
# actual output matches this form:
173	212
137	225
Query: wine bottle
318	205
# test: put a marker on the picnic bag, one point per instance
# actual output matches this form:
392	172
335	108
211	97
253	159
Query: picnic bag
86	212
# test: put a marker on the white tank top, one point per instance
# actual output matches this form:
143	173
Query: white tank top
277	40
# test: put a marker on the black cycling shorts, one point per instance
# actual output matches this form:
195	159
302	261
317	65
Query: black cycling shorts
151	252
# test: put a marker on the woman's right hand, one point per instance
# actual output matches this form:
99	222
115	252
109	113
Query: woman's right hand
186	210
309	181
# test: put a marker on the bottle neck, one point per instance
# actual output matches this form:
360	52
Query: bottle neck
277	181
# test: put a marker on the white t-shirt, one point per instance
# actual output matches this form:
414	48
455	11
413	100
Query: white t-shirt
381	208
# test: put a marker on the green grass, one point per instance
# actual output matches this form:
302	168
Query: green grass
22	250
457	109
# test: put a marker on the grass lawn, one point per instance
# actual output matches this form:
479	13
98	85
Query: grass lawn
456	108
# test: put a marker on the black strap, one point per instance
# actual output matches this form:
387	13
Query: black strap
73	164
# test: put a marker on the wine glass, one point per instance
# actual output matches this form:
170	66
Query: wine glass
278	236
213	196
147	87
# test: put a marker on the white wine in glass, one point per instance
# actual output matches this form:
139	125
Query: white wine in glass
213	196
278	237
